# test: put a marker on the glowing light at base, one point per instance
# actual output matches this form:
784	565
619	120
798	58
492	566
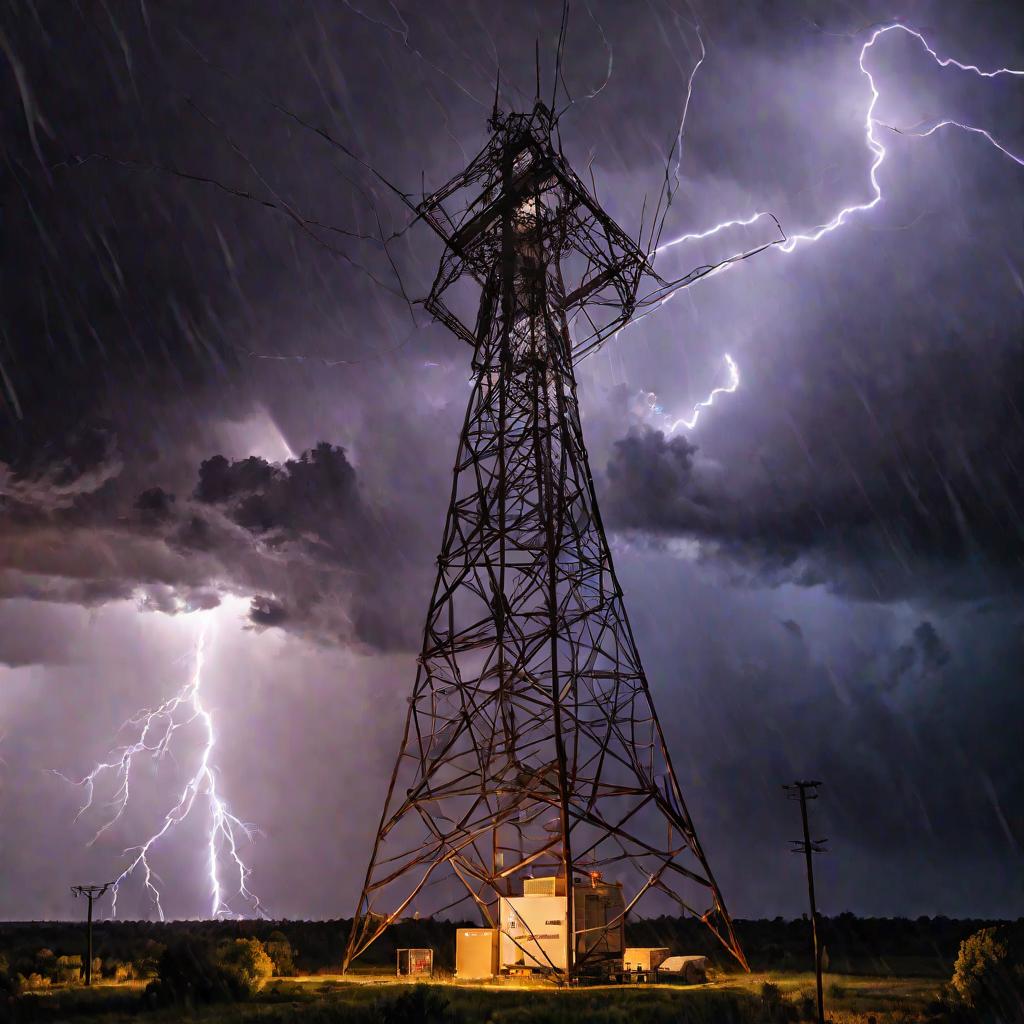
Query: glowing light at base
155	730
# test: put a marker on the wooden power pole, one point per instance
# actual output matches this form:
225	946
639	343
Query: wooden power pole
804	791
91	893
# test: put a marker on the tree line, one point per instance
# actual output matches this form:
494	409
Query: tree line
131	949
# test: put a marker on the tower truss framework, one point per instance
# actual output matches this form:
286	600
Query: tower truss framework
531	745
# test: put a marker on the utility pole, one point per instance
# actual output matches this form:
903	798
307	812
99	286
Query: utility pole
91	893
804	791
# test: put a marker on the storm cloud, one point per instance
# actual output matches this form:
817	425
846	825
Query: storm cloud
212	410
298	539
943	524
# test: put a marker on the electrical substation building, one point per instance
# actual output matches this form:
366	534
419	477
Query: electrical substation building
533	926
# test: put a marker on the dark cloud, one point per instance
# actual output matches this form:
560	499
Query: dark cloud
155	503
297	538
221	481
871	536
651	484
265	611
920	772
872	450
793	628
56	476
932	653
924	655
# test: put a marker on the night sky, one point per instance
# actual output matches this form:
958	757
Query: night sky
219	415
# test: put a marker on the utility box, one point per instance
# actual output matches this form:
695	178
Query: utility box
533	926
644	958
693	970
415	963
476	952
551	885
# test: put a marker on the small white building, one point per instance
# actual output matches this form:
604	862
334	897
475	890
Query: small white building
533	926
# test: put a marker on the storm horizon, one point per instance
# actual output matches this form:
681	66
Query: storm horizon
227	428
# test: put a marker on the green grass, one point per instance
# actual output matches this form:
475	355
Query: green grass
734	999
855	995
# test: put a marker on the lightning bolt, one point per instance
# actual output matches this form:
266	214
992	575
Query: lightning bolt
155	729
669	425
699	235
873	144
871	123
878	155
734	383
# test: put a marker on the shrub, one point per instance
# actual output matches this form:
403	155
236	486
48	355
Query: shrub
189	973
989	972
116	970
807	1008
123	972
147	966
774	1007
67	970
10	984
43	963
247	963
279	949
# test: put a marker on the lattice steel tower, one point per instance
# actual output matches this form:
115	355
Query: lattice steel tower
531	744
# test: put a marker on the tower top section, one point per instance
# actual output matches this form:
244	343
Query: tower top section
519	207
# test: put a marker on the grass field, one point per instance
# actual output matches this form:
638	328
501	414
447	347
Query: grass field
321	999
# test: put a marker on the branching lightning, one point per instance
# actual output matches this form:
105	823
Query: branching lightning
670	425
154	730
874	145
871	123
878	155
